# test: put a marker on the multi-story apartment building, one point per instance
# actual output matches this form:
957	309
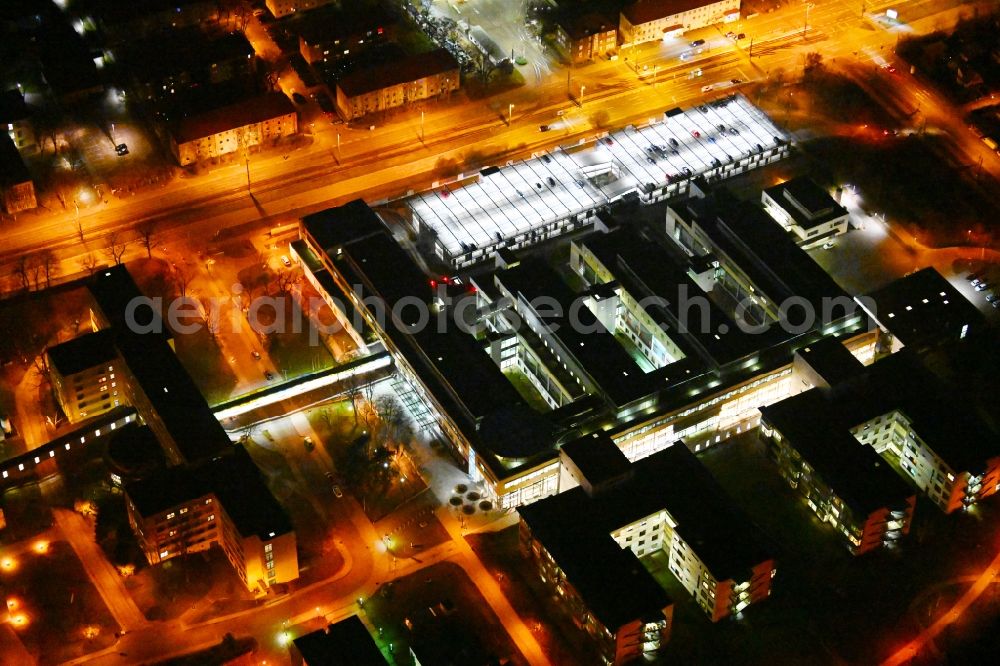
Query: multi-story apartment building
670	504
15	117
844	482
125	21
587	37
223	501
237	127
87	375
396	84
279	8
17	189
208	494
167	66
333	32
911	417
650	20
805	210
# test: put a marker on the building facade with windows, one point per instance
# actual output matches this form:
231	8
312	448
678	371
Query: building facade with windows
279	8
239	127
383	87
806	211
843	482
87	375
222	502
651	20
587	37
17	189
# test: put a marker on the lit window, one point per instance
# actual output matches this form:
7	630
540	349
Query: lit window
268	548
211	518
171	515
184	510
164	553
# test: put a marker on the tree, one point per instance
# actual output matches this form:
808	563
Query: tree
21	271
813	64
181	279
145	230
49	265
352	391
392	416
115	245
89	263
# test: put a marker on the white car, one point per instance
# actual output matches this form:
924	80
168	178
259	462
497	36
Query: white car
828	245
286	261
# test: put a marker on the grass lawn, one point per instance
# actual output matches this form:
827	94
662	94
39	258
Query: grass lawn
447	584
202	358
55	597
904	178
204	582
25	512
501	555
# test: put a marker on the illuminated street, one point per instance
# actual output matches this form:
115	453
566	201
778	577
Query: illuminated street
476	331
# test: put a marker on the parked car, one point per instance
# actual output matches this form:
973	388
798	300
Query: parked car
828	245
286	261
697	42
121	149
255	354
337	492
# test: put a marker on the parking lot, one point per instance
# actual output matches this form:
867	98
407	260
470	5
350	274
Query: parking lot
505	22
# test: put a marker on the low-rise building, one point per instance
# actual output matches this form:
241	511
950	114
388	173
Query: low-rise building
15	118
17	189
392	85
241	126
344	643
805	210
223	501
125	21
922	310
170	64
333	32
86	374
651	20
279	8
844	482
587	37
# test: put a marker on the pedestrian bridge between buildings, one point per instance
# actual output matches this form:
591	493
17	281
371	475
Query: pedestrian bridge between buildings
331	382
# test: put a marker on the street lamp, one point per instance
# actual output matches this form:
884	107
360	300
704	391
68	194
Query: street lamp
583	89
805	27
510	114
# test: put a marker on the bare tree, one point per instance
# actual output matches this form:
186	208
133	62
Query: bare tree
145	230
182	279
352	391
115	245
21	271
49	265
390	413
89	263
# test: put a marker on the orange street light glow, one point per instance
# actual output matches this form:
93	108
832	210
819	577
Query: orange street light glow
41	547
8	564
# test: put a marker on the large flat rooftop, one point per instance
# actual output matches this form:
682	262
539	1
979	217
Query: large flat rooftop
502	204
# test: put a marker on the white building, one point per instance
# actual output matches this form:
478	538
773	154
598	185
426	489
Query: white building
650	20
805	210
